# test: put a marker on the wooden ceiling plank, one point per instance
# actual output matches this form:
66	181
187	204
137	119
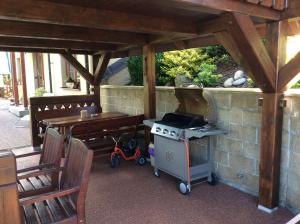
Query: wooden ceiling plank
43	50
53	13
249	43
234	6
289	71
101	68
52	31
63	44
82	70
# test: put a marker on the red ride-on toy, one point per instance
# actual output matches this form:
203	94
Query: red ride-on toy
128	151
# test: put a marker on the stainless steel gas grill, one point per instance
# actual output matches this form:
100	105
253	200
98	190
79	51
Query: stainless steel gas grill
175	132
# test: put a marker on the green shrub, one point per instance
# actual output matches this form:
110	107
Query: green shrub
135	67
207	77
40	91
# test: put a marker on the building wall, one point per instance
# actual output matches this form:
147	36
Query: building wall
236	154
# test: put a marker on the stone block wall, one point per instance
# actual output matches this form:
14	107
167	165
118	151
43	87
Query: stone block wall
236	154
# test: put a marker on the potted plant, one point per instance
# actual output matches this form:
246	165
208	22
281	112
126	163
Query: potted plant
70	83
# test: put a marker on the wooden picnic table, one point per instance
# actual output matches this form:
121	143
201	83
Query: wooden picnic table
63	122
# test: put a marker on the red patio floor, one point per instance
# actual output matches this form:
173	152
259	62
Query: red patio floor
132	194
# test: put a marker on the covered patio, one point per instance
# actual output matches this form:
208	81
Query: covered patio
255	33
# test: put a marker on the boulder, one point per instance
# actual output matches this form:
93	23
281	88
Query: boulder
239	81
182	81
239	74
228	82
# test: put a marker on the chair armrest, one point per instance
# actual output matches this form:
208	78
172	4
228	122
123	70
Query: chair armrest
39	173
41	166
46	196
27	154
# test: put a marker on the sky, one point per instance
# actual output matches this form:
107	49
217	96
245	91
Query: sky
4	63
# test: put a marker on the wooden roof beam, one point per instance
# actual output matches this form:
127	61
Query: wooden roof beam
101	68
53	13
288	72
52	31
254	53
231	6
63	44
82	70
43	50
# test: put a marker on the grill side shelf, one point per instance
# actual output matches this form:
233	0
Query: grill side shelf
200	134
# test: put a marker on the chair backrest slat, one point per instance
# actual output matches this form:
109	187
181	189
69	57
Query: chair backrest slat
77	167
52	147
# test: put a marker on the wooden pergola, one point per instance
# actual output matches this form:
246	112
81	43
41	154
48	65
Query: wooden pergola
107	29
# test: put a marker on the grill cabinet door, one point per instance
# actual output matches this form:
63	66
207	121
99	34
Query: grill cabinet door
170	157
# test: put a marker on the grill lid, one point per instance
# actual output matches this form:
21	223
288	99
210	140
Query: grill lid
183	120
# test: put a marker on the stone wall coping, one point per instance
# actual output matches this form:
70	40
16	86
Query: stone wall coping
289	93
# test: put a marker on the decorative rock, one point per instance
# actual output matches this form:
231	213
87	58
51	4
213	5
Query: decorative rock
228	82
194	86
239	74
182	81
239	81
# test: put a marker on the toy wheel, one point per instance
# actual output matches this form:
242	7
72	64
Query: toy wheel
157	173
115	160
214	179
184	188
140	160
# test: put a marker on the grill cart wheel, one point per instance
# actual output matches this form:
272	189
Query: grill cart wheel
115	160
184	188
214	179
156	173
140	160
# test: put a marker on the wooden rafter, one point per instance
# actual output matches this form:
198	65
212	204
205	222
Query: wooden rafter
234	6
288	72
53	13
101	68
250	45
43	50
59	32
82	70
63	44
293	10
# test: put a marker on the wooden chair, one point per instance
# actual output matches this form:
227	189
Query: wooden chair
97	134
44	176
66	205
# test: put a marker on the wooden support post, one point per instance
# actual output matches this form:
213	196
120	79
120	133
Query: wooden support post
14	78
87	66
96	87
24	83
9	201
149	87
270	151
271	129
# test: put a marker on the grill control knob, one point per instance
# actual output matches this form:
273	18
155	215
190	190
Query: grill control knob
158	129
165	131
173	133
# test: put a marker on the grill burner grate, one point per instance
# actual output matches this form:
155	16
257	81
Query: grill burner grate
183	121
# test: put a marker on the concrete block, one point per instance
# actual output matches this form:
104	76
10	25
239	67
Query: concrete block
251	150
251	181
295	161
221	157
238	100
222	100
247	134
295	142
242	164
251	119
235	116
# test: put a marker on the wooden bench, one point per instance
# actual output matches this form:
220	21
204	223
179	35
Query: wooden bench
57	106
44	176
97	135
